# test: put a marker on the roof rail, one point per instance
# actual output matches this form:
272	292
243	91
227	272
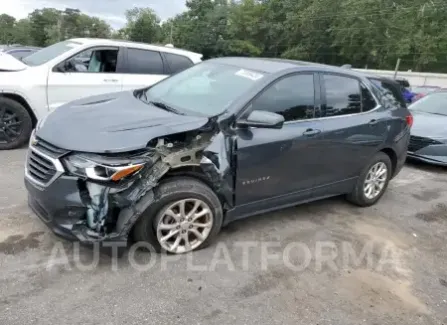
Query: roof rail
346	66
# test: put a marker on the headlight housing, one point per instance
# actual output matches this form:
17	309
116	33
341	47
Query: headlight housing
102	169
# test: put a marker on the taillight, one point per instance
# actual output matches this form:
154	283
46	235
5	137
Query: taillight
409	119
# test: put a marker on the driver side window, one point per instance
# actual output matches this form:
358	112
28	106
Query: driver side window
292	97
99	60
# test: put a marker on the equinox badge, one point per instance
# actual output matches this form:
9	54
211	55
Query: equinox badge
256	180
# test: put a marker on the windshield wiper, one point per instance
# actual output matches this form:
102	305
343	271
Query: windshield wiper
166	107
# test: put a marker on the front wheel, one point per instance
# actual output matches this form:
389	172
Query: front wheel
185	216
373	181
16	124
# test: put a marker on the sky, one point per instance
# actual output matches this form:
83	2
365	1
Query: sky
111	11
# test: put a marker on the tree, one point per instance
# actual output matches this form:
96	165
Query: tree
21	32
6	29
360	32
203	27
120	34
99	28
45	26
143	25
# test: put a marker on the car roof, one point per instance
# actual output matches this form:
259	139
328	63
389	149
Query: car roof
274	65
137	45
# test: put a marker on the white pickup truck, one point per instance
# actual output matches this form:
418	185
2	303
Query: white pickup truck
73	69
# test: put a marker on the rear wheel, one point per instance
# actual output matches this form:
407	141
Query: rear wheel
15	124
185	216
373	181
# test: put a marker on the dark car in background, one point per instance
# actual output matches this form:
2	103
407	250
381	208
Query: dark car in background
225	139
428	141
20	52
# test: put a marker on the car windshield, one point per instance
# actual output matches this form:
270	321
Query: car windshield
206	89
44	55
434	103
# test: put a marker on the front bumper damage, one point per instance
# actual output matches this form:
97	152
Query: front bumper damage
83	210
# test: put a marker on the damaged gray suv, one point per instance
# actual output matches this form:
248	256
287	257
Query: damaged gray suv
228	138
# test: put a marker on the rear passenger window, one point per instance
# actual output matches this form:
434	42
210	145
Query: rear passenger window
178	63
144	62
342	95
368	101
292	97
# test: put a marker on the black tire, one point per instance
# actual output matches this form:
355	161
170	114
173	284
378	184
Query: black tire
169	191
357	196
26	127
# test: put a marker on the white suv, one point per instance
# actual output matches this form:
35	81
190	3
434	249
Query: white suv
73	69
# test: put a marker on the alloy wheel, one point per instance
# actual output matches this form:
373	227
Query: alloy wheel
10	125
184	225
375	180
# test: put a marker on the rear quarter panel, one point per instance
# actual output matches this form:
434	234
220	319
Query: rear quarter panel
398	130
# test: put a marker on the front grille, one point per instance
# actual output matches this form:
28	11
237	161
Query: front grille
417	143
40	168
49	149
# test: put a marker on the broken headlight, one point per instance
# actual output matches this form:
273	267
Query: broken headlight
102	169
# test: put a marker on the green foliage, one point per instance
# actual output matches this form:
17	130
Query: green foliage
7	28
359	32
143	25
238	48
47	26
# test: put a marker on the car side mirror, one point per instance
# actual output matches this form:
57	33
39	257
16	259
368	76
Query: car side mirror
262	119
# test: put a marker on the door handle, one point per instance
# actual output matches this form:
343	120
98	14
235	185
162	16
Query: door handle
111	80
311	132
373	122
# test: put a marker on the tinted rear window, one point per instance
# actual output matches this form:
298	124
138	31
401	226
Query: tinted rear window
389	92
178	63
342	95
144	62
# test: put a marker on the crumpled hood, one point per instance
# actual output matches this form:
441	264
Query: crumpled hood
10	63
115	122
429	125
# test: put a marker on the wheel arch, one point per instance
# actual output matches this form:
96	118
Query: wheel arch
393	157
193	172
21	100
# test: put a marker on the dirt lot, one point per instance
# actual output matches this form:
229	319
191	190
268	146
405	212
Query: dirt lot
400	279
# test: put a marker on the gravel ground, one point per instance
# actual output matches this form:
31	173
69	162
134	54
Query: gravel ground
302	265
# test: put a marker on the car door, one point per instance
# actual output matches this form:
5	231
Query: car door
354	126
78	77
143	68
279	163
